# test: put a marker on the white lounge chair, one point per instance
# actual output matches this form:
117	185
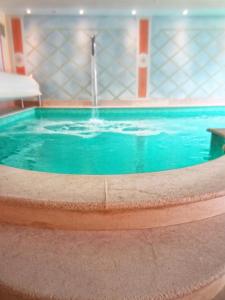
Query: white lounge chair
13	86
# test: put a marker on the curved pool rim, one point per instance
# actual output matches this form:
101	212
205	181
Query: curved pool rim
112	202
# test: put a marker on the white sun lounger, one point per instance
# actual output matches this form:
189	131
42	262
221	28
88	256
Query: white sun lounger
13	86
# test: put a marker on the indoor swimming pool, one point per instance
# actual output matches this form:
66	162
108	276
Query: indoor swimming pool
108	141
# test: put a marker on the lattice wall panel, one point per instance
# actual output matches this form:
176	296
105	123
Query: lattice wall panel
59	58
188	62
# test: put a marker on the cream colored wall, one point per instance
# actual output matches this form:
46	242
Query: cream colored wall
6	43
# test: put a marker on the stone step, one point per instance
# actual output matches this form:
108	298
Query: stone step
177	262
134	201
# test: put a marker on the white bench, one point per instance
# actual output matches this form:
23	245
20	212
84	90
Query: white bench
13	86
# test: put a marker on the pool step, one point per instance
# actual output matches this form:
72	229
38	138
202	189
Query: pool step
135	201
177	262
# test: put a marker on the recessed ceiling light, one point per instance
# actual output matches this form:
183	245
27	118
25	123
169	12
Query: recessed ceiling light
81	12
28	11
185	12
134	12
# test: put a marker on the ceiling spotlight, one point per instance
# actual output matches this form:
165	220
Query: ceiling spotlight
81	12
28	11
185	12
134	12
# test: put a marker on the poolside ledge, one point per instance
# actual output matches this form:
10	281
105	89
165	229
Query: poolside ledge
85	202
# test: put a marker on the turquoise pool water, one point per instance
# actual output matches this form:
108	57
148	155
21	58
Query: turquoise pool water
108	141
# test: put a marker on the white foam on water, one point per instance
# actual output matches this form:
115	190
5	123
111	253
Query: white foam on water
94	127
96	121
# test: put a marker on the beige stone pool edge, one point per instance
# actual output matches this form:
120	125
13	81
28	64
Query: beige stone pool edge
85	202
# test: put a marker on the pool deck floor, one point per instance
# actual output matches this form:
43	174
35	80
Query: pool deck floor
163	103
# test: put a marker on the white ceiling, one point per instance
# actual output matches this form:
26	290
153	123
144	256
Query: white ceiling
110	7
